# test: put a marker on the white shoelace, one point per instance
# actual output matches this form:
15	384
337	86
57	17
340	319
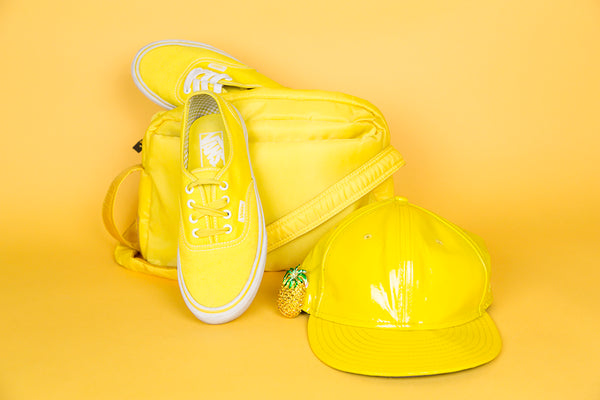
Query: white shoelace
199	79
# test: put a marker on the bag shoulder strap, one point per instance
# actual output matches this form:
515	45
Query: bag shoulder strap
108	207
334	199
308	216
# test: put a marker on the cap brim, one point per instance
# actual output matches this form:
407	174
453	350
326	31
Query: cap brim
402	352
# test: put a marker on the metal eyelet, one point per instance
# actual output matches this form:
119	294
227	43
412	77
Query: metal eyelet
224	187
194	233
190	203
192	220
226	198
228	214
229	228
189	189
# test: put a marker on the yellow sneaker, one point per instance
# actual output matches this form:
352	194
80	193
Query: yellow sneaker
222	238
168	71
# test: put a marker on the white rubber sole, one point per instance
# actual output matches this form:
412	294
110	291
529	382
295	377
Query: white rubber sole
236	307
135	66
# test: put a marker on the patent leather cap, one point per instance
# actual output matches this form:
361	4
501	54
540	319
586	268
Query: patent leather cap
395	290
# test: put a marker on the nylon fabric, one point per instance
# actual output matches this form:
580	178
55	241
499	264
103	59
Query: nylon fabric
316	155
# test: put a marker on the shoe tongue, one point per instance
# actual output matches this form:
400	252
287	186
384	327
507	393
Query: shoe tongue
207	144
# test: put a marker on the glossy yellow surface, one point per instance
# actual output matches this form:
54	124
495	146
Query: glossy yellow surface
396	290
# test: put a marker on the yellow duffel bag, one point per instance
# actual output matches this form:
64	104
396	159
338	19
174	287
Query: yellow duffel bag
316	155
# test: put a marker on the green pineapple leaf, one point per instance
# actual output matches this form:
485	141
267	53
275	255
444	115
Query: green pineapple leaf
295	276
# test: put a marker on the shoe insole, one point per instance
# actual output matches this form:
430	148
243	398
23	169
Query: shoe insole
207	143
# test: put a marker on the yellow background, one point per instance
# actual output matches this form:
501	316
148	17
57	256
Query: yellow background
494	104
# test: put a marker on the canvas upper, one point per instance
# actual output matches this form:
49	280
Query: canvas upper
222	238
169	71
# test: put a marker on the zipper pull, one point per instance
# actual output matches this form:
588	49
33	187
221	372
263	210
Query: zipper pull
138	146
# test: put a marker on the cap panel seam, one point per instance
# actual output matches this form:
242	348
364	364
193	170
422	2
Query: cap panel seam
359	213
406	306
472	244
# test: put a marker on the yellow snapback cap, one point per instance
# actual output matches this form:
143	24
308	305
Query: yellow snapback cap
395	290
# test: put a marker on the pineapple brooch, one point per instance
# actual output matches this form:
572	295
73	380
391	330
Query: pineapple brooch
292	292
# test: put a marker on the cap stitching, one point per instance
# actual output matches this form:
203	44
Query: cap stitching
473	245
360	324
360	212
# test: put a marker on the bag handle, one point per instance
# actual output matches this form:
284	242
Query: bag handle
311	214
108	207
335	198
